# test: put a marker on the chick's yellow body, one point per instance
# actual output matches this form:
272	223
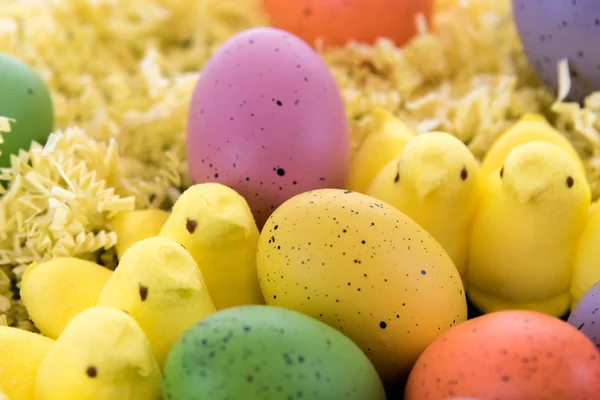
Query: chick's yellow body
388	137
215	224
21	353
435	181
101	355
586	272
136	225
530	216
57	290
158	283
530	128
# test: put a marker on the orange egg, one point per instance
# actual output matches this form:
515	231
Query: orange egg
508	355
338	21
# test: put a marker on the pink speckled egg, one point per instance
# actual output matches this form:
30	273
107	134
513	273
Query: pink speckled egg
267	119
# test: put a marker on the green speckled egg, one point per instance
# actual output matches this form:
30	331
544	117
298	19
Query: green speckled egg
24	98
267	353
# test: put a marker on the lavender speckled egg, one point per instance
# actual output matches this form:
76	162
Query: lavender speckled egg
554	29
586	314
267	119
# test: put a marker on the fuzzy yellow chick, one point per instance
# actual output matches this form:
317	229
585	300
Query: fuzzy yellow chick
531	127
102	354
435	181
133	226
21	353
215	224
586	272
388	138
159	284
57	290
530	216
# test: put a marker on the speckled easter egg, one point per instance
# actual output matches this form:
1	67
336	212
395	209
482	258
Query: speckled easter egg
586	315
25	98
364	268
338	22
463	398
260	352
267	119
508	355
551	30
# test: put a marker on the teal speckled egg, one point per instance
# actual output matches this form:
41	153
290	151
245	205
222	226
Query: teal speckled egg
265	352
25	98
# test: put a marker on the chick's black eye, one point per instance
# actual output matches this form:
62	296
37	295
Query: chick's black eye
501	172
464	174
570	182
91	371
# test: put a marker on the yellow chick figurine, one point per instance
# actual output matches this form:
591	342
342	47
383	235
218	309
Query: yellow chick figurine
387	140
133	226
215	224
159	284
529	219
55	291
586	272
21	353
101	355
435	181
531	127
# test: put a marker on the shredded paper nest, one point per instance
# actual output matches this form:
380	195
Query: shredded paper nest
121	73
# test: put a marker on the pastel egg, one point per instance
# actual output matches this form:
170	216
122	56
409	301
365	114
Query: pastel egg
586	315
508	355
337	22
551	30
364	268
25	99
267	119
261	352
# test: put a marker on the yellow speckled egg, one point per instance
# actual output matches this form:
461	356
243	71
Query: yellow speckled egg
362	267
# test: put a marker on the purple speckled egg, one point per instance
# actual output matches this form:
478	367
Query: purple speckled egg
267	119
551	30
586	314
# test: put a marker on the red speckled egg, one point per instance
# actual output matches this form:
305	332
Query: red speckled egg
338	21
508	355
